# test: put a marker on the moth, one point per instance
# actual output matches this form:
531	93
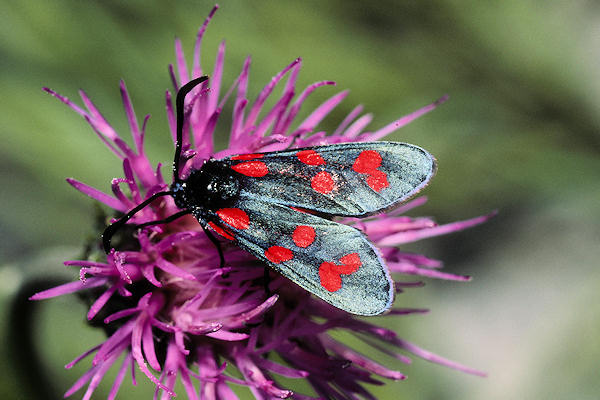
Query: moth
280	206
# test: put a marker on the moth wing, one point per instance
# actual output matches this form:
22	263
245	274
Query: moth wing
333	261
347	179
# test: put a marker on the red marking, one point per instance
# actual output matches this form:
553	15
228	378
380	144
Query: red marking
378	180
302	210
322	182
251	168
278	254
234	217
310	157
330	273
248	156
304	236
351	260
221	231
367	162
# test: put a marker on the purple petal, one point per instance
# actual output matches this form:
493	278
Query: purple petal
121	314
66	100
100	302
81	381
399	123
356	128
419	259
197	69
419	201
349	118
284	126
116	189
173	269
81	357
189	387
119	153
130	179
321	112
205	141
407	311
96	194
274	114
228	336
281	369
119	378
264	94
245	317
97	377
131	118
174	81
171	116
136	352
70	287
118	340
411	269
148	345
97	118
215	79
361	360
202	329
412	236
184	77
148	272
426	355
237	125
169	374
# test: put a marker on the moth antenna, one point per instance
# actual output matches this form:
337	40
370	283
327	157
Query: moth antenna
179	102
115	226
118	224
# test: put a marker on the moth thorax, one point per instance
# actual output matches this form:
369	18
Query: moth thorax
209	189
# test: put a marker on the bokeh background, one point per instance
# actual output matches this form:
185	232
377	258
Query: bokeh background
520	133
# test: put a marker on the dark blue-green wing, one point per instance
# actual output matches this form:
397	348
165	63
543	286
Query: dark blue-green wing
348	179
333	261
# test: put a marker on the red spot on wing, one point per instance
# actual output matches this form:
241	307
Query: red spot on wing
251	168
221	231
351	261
377	180
330	274
278	254
367	162
302	210
322	182
248	156
304	236
310	157
330	279
234	217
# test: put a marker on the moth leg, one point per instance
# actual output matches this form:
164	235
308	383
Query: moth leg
115	226
267	281
217	244
170	218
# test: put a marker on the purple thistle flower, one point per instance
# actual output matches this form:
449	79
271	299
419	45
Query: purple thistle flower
167	306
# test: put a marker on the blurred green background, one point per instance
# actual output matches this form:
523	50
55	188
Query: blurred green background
520	133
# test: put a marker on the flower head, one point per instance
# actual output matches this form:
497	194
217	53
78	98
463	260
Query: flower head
165	303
